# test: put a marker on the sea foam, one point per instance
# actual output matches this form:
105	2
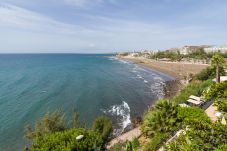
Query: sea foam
122	113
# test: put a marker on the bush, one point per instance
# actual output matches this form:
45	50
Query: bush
217	90
67	141
118	147
194	88
201	136
161	119
155	142
208	73
192	114
126	146
222	147
103	126
221	104
50	123
135	143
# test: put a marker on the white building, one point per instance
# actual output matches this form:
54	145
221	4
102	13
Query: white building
188	49
221	48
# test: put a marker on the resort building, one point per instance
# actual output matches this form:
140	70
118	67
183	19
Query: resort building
221	48
189	49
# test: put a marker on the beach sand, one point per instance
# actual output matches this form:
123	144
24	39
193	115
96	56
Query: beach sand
178	70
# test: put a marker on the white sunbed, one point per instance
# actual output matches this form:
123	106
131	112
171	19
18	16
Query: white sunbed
195	102
196	98
183	105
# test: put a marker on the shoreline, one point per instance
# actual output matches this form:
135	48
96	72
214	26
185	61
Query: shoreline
178	70
171	88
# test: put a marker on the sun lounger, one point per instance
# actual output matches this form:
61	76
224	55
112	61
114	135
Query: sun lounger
195	102
183	105
196	98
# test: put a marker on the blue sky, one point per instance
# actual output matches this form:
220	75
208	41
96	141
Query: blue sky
91	26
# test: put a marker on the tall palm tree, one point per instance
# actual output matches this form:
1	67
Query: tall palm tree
218	62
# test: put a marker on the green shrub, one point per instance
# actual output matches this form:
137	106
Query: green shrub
103	126
118	147
192	114
194	88
217	90
49	123
126	146
135	143
161	119
201	136
66	140
155	142
221	104
222	147
208	73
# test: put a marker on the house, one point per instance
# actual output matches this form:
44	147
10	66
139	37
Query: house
189	49
221	48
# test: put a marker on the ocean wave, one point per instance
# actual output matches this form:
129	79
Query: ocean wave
122	113
112	58
145	81
139	76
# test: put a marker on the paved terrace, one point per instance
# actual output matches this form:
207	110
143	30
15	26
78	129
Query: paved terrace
134	133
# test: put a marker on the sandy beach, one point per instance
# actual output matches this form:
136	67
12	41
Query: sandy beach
178	70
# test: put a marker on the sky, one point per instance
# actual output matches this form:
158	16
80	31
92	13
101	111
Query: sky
104	26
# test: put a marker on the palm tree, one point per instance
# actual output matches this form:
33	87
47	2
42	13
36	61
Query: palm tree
161	119
218	62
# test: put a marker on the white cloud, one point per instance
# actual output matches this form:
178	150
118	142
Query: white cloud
16	17
83	3
31	31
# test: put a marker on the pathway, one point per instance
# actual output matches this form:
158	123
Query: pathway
211	111
134	133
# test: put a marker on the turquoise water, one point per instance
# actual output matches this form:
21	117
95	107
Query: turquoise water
32	84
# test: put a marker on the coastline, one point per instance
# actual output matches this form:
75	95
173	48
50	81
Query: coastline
177	70
172	87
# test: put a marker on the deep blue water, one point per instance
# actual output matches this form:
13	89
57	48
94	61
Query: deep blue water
32	84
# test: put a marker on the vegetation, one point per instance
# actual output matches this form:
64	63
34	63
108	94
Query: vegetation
103	126
218	62
221	147
203	135
161	119
199	54
218	93
52	133
155	142
66	140
218	90
126	146
167	54
200	136
192	114
208	73
50	123
194	88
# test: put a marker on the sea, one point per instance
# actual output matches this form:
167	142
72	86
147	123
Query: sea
94	84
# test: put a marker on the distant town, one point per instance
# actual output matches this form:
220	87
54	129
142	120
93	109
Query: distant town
187	49
194	54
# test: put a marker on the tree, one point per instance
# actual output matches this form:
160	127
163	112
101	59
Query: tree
50	123
67	141
103	126
75	118
217	61
161	119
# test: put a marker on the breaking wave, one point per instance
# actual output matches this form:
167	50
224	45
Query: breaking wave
122	114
